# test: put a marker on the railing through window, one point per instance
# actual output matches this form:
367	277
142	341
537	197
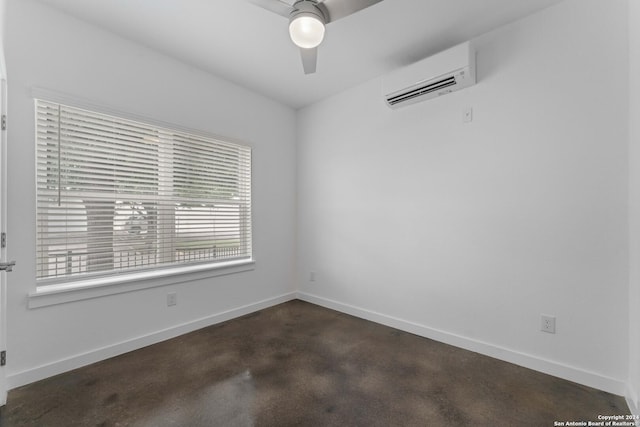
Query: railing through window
76	262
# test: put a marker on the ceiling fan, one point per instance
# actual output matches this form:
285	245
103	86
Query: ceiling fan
307	20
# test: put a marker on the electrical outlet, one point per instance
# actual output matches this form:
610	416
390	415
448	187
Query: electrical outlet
172	299
312	276
548	323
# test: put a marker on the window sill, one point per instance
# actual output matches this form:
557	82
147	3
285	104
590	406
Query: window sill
93	288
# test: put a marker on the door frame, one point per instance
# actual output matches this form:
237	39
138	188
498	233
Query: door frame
3	250
3	201
3	228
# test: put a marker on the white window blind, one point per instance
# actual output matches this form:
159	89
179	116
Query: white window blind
114	195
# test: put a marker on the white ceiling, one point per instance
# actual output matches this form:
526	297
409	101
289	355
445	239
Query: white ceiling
250	46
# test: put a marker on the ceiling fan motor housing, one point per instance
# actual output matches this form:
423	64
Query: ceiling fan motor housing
307	8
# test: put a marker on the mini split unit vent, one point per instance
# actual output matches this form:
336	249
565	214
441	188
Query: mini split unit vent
440	74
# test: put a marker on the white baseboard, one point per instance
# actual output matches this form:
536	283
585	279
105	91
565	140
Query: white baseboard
93	356
560	370
550	367
631	396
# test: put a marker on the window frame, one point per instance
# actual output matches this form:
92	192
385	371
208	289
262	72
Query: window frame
56	290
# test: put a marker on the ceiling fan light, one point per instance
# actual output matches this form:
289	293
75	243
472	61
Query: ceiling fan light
306	30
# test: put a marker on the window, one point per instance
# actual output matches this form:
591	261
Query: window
116	195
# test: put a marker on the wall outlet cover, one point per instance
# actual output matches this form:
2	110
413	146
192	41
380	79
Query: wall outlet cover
548	323
172	299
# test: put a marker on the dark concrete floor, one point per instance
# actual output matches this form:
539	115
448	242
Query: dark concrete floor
303	365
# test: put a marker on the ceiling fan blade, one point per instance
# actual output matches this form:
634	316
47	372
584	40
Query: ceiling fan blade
309	59
276	6
337	9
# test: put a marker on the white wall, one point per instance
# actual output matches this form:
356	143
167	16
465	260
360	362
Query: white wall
50	50
633	392
468	232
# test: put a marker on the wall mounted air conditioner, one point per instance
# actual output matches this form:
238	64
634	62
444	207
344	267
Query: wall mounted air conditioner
440	74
